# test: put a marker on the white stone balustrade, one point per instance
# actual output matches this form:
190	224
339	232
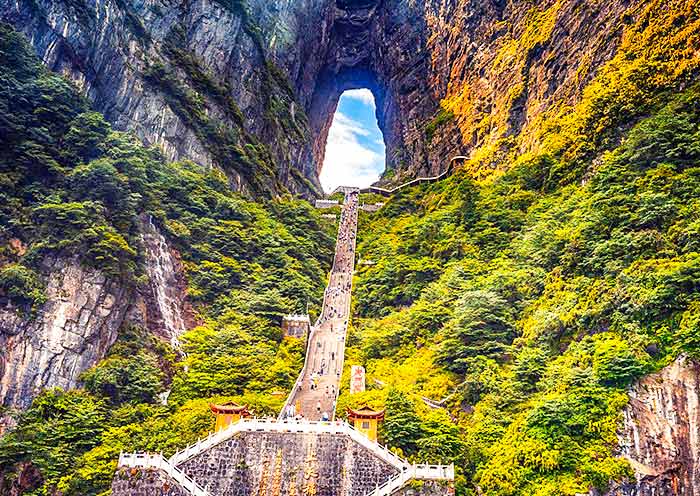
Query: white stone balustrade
265	425
415	472
156	461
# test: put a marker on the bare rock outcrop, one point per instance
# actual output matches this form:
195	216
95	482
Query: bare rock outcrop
163	307
81	318
661	433
252	87
70	333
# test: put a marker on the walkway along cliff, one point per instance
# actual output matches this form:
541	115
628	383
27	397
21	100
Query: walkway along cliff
301	453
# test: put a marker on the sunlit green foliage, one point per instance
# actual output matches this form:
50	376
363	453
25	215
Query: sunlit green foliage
238	355
527	303
74	188
543	303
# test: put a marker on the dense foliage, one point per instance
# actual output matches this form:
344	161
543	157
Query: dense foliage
526	292
74	189
531	298
540	307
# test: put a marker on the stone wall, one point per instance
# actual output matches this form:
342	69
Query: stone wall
268	464
145	482
427	488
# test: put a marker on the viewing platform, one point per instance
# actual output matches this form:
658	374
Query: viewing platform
326	203
250	456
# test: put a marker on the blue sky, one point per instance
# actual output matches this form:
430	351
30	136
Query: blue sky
355	153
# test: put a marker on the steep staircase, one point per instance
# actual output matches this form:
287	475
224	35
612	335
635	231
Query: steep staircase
406	471
326	336
325	349
414	472
419	180
265	425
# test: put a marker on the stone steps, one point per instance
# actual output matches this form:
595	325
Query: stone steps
415	472
328	328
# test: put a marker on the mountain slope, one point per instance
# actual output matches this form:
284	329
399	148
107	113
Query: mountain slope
537	300
109	254
251	86
547	291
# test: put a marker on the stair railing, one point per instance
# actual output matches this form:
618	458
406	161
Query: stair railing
156	461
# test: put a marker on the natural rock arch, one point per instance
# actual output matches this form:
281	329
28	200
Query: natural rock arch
248	68
371	45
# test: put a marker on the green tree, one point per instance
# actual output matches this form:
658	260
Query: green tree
402	427
131	379
482	326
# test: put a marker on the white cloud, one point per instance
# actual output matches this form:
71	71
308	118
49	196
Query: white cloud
364	95
347	161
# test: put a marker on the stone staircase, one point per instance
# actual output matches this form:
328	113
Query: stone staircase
266	456
329	325
419	180
415	472
404	471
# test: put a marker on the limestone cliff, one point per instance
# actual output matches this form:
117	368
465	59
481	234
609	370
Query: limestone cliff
661	433
71	332
81	318
252	86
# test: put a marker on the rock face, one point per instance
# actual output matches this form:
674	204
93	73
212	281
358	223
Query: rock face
81	319
661	433
165	311
251	86
71	332
28	477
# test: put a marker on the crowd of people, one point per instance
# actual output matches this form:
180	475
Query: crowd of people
317	391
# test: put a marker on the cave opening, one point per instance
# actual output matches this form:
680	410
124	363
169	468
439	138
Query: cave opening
369	46
355	152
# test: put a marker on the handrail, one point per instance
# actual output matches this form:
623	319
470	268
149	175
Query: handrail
441	403
348	307
405	470
301	426
415	472
300	377
148	460
418	180
319	321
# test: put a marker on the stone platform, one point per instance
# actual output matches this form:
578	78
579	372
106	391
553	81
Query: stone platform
270	458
